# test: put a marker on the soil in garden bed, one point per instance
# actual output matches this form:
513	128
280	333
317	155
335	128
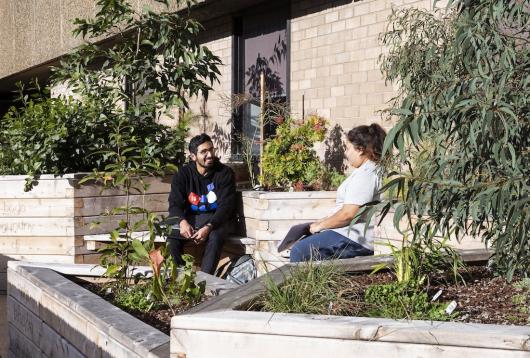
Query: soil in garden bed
159	318
483	298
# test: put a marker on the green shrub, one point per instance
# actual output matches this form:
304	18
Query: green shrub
59	135
135	298
399	300
120	92
522	298
289	160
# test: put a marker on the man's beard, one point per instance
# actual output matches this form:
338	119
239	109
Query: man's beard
205	164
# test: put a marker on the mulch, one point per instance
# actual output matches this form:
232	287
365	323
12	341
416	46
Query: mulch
483	298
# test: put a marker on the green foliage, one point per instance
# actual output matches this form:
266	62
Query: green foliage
289	159
59	135
134	298
33	140
167	287
119	94
464	100
398	300
310	288
157	62
332	179
169	284
522	298
417	263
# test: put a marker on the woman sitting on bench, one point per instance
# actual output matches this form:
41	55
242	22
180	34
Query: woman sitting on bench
333	237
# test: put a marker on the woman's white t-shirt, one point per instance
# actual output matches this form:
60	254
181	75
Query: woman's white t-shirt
360	187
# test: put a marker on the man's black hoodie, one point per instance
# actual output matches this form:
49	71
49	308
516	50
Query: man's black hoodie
195	194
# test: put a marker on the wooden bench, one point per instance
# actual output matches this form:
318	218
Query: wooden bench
233	246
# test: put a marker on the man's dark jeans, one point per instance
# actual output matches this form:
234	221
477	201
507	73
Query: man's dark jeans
212	250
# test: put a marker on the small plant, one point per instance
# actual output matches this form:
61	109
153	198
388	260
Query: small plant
135	298
400	300
522	299
168	284
311	288
417	263
289	159
168	287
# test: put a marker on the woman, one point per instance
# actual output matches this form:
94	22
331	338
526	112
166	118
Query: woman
332	237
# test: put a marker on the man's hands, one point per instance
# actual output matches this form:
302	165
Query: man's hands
201	234
188	232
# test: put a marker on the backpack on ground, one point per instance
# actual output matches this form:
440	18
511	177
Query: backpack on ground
241	270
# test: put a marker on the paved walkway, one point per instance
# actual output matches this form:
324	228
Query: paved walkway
3	327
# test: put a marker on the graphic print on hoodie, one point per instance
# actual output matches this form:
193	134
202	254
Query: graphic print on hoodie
204	203
196	194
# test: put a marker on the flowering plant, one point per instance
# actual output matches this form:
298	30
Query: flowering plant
289	159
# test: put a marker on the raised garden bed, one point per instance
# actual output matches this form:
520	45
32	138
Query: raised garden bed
50	315
265	334
57	214
269	215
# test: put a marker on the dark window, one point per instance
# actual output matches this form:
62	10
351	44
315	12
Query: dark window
261	44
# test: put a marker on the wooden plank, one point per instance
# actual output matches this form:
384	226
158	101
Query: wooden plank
27	322
106	223
287	212
37	226
44	245
92	206
20	346
287	204
41	207
34	258
156	186
53	345
282	195
55	188
270	229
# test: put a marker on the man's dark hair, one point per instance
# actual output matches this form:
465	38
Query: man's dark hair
196	141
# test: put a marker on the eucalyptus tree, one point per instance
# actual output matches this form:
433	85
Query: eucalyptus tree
135	66
463	124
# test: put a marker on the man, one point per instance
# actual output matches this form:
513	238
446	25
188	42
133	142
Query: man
201	202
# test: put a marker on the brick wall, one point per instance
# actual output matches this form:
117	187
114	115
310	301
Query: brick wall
214	116
334	59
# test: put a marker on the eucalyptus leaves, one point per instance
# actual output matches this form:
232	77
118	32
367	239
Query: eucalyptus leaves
464	103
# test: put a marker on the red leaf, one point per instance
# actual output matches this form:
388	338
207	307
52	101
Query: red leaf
156	261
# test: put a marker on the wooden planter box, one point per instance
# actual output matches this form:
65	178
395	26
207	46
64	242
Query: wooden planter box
269	215
50	316
241	334
50	222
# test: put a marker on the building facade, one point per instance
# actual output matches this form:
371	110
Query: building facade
319	56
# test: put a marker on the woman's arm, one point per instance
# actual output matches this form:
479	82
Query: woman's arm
341	218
